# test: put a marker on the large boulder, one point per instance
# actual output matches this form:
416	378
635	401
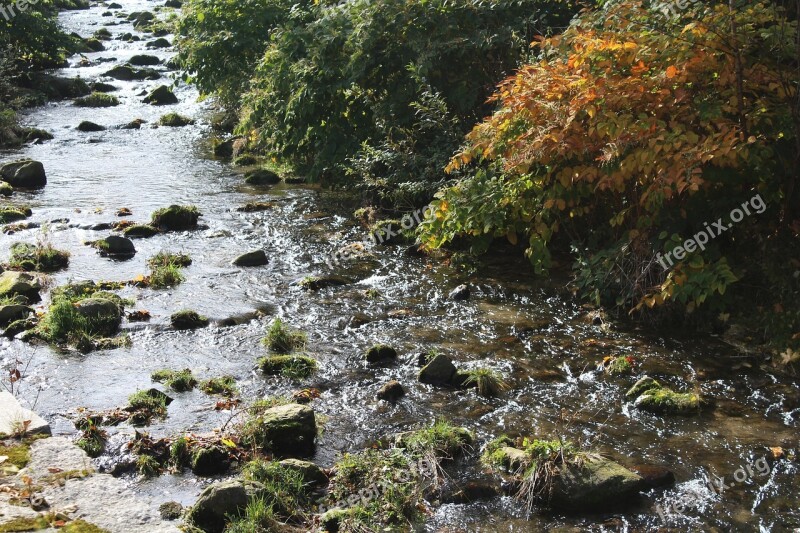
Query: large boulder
288	429
26	174
653	397
311	473
216	502
439	371
105	315
593	483
254	258
20	284
16	420
161	95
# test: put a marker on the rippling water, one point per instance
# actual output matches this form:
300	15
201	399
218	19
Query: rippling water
530	330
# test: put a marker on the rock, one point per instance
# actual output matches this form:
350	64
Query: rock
90	126
225	149
140	231
315	283
97	100
261	177
134	124
254	258
55	87
114	5
129	73
312	474
391	391
288	429
654	476
216	502
18	326
21	284
157	394
514	459
593	483
664	401
439	371
174	120
188	320
26	174
209	461
159	43
12	313
380	353
161	95
116	246
459	293
177	4
175	218
101	87
6	189
472	491
105	315
16	420
170	510
144	60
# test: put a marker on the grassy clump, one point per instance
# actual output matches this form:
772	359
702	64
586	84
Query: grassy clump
97	100
291	366
188	319
618	366
63	323
441	440
225	385
488	382
166	276
177	380
175	218
169	258
174	120
40	257
281	339
93	439
145	405
147	466
283	489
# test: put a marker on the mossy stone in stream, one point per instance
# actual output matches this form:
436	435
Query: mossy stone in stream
286	429
380	353
144	60
140	231
188	319
665	401
174	120
216	503
209	461
97	100
175	218
439	371
161	95
13	214
261	176
292	366
21	284
644	384
6	189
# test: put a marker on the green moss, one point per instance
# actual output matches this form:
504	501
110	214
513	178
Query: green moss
665	401
175	218
25	524
169	258
37	257
140	230
174	120
441	440
281	339
147	466
81	526
283	489
225	385
380	353
643	385
619	366
290	366
13	214
179	452
145	405
18	454
97	100
188	319
177	380
165	276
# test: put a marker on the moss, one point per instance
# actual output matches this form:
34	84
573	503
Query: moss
179	452
63	323
282	339
283	489
225	385
147	466
252	207
6	189
140	230
380	353
25	524
175	218
177	380
291	366
18	454
174	120
665	401
643	385
188	319
619	366
81	526
169	258
13	214
165	276
443	440
145	405
97	99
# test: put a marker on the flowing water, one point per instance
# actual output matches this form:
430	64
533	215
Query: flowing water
531	331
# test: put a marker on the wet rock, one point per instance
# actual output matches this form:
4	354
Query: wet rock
26	174
170	510
261	177
175	218
177	4
6	189
102	34
129	73
114	5
94	44
12	313
439	371
667	402
12	414
315	283
174	120
101	87
288	429
216	502
249	259
459	293
140	231
188	320
97	100
209	461
593	483
20	284
104	314
391	391
18	326
513	459
134	125
380	353
141	16
228	148
654	476
473	491
143	60
311	473
159	43
90	126
161	95
55	87
116	246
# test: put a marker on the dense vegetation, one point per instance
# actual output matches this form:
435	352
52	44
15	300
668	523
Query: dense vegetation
618	138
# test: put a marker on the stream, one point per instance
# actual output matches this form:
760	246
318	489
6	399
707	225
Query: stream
531	330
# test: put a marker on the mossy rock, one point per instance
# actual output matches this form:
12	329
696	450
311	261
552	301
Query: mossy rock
144	60
286	429
13	214
161	95
129	73
97	100
380	353
6	189
315	283
140	231
295	365
210	461
593	483
175	218
20	284
174	120
261	177
643	385
188	319
667	402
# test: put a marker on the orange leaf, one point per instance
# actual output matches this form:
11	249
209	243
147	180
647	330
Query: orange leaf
671	71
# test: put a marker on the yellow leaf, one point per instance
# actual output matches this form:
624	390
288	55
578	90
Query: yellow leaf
228	443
